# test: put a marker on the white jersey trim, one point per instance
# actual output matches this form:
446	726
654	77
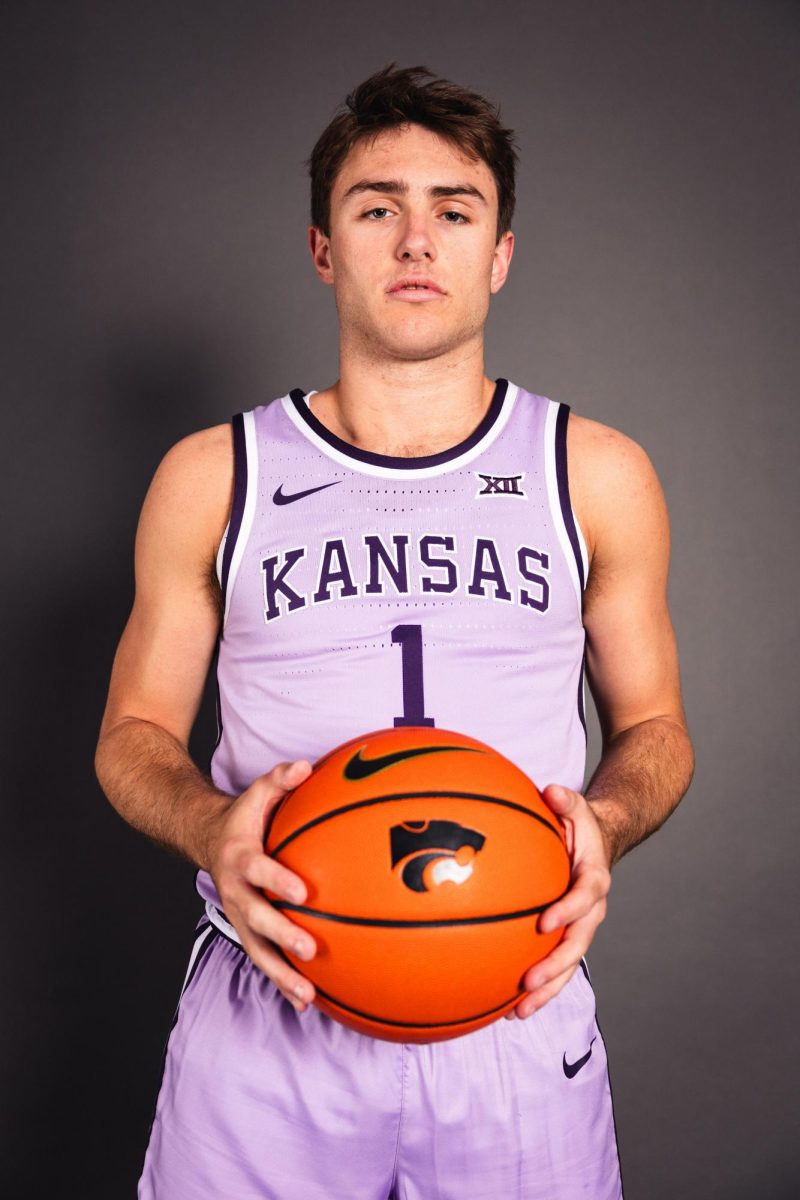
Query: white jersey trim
582	543
251	447
551	478
218	921
199	944
405	473
220	553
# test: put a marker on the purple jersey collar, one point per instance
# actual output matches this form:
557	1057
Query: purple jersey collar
298	399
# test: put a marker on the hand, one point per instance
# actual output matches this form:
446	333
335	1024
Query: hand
240	869
582	908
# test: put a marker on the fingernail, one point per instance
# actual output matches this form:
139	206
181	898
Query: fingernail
298	991
301	948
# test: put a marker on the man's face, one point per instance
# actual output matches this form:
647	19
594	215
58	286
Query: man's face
406	207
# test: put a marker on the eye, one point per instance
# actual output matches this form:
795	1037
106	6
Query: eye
372	211
460	218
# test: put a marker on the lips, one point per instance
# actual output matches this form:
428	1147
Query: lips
416	288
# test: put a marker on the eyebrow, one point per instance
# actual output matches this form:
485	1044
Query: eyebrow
396	187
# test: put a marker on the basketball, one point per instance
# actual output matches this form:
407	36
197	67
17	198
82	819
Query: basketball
427	857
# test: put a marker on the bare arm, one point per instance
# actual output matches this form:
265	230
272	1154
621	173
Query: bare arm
163	657
632	660
644	773
632	667
142	757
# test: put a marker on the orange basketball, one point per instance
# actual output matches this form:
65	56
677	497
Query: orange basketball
427	858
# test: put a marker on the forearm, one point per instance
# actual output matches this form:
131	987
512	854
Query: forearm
153	784
642	776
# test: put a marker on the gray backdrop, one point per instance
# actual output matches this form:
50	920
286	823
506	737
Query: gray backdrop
156	208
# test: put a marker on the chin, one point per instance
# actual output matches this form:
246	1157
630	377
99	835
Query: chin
418	349
418	341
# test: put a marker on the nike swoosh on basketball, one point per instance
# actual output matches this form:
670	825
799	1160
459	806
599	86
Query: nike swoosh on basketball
571	1069
362	768
280	497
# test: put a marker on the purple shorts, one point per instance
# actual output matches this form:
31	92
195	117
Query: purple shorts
260	1102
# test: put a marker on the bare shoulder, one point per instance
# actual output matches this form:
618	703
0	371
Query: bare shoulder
202	462
614	487
189	500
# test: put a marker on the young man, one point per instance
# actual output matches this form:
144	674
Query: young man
522	547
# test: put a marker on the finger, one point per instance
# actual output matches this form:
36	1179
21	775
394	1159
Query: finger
298	990
542	995
261	871
566	955
260	917
591	886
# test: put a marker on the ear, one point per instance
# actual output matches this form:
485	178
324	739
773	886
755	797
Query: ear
320	246
501	260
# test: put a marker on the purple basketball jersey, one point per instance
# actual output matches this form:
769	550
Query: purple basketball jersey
363	591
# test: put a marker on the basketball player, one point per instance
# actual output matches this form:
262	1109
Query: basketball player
412	501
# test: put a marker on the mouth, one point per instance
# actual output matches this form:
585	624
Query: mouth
416	290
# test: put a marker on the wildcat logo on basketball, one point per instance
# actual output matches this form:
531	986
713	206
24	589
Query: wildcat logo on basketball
435	853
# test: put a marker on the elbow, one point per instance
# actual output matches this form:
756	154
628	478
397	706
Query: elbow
101	763
106	755
690	761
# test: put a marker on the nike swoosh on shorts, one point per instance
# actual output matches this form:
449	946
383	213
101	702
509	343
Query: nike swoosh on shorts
571	1069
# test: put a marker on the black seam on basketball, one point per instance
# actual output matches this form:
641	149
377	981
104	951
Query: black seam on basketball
430	795
378	1020
439	922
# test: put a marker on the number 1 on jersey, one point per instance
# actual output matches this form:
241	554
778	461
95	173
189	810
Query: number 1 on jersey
410	639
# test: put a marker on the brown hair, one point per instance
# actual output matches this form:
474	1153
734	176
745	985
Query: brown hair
397	96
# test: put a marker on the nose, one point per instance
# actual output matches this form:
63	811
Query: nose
415	243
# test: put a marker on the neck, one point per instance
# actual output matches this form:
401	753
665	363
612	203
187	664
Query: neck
406	409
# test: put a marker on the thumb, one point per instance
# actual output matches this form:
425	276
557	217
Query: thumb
290	775
282	779
562	800
272	787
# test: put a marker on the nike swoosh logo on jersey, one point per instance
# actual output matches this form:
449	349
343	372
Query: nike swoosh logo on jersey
571	1069
362	768
280	498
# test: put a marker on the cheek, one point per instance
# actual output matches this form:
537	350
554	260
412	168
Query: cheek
349	276
356	265
356	292
476	268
